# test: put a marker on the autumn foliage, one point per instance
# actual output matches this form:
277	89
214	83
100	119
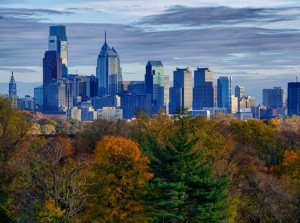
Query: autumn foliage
153	169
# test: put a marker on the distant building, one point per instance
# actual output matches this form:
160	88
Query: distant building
234	104
203	91
224	92
38	95
12	90
108	71
274	98
239	91
155	81
244	114
27	103
133	104
110	113
203	113
181	94
246	102
58	42
294	98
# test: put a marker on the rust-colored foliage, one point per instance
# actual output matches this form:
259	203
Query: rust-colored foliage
119	175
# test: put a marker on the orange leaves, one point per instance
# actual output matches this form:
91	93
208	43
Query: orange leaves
119	174
291	164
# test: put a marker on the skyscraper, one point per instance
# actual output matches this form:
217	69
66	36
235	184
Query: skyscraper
108	71
12	90
224	92
57	89
203	91
274	98
239	91
51	67
181	94
294	98
155	84
58	42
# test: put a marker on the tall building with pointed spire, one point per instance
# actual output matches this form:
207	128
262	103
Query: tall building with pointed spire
13	90
108	71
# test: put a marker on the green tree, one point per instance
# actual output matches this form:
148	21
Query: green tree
183	188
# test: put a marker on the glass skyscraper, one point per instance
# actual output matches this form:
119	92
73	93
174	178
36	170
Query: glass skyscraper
181	94
58	42
203	91
293	98
224	92
108	71
155	85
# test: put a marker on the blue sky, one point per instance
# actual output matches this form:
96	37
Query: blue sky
257	42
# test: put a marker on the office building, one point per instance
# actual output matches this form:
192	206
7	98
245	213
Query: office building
239	91
108	71
224	92
38	95
203	91
12	90
274	98
293	98
58	42
133	104
155	85
234	104
110	113
181	94
246	102
51	67
27	103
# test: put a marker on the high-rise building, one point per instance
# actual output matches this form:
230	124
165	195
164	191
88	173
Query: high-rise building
108	71
203	91
239	91
181	94
12	90
294	98
38	95
224	92
155	85
51	67
274	98
58	42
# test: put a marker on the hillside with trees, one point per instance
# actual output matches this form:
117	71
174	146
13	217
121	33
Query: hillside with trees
153	169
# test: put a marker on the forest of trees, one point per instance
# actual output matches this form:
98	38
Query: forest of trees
157	169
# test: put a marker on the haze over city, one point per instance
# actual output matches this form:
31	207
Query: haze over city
255	42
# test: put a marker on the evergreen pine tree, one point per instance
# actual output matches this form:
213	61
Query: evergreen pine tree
183	189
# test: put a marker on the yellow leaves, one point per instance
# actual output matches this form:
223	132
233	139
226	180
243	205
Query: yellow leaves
120	175
291	164
50	212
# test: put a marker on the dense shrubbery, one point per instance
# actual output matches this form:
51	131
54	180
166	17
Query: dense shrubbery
157	169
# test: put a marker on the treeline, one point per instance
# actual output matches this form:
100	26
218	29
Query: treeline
154	169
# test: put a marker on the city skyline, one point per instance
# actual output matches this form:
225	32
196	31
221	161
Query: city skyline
255	42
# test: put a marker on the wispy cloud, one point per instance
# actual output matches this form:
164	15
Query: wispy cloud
220	16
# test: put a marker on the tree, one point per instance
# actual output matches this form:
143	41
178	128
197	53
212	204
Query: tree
52	186
14	126
119	176
87	138
183	189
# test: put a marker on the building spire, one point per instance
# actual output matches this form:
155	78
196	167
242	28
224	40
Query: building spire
105	36
12	73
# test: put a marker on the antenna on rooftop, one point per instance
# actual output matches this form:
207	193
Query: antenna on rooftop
296	79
